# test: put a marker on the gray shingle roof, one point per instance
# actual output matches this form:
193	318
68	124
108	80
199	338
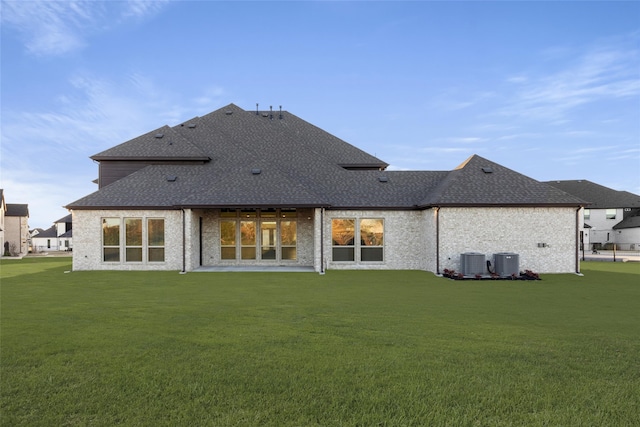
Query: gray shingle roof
300	165
14	209
598	196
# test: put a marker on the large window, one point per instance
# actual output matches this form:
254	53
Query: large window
371	240
155	239
252	234
133	239
111	239
134	244
343	239
370	244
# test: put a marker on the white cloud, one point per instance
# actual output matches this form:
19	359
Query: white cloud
601	73
50	28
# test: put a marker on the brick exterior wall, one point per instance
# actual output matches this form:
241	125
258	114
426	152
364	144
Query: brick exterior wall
87	240
410	238
517	230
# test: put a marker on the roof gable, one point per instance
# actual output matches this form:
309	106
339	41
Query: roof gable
481	182
14	209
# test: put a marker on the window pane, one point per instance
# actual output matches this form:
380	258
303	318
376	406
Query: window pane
371	232
611	213
156	254
228	253
111	232
343	232
248	252
343	254
289	253
228	233
248	232
371	254
268	252
587	214
134	255
288	235
133	231
155	232
111	255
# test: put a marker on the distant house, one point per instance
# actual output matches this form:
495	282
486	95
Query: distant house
240	188
610	217
58	237
16	228
3	211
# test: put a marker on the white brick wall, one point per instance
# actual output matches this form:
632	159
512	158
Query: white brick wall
518	230
87	239
405	246
409	238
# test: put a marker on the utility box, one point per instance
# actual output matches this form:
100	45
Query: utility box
472	263
507	263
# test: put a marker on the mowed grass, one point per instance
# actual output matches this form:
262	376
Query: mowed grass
370	348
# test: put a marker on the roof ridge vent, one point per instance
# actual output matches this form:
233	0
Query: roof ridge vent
171	178
159	135
487	169
256	171
191	125
383	178
228	112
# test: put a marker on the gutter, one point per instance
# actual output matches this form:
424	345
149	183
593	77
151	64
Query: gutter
437	211
578	240
321	241
184	248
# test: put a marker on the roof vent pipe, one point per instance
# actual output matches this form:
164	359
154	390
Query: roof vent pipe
281	112
271	113
257	109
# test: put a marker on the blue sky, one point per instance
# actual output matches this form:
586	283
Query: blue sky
549	89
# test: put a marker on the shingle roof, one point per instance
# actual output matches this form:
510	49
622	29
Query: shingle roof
14	209
49	232
299	165
65	219
598	196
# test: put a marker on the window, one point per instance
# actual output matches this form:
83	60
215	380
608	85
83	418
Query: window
247	239
136	247
370	245
133	239
155	239
371	240
288	239
272	231
343	239
587	214
611	213
111	239
228	239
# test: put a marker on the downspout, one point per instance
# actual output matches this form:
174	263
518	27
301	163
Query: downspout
578	240
437	239
321	240
184	237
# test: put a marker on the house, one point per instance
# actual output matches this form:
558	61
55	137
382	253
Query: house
58	237
3	210
239	188
16	229
610	217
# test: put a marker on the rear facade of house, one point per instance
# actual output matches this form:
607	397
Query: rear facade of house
253	188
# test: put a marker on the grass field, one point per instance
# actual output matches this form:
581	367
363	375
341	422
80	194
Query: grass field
299	349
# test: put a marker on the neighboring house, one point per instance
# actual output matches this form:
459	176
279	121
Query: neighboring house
610	216
3	210
16	231
56	238
247	188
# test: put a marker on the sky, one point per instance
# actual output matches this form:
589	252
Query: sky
549	89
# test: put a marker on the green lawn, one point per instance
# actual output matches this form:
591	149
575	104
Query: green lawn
299	349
